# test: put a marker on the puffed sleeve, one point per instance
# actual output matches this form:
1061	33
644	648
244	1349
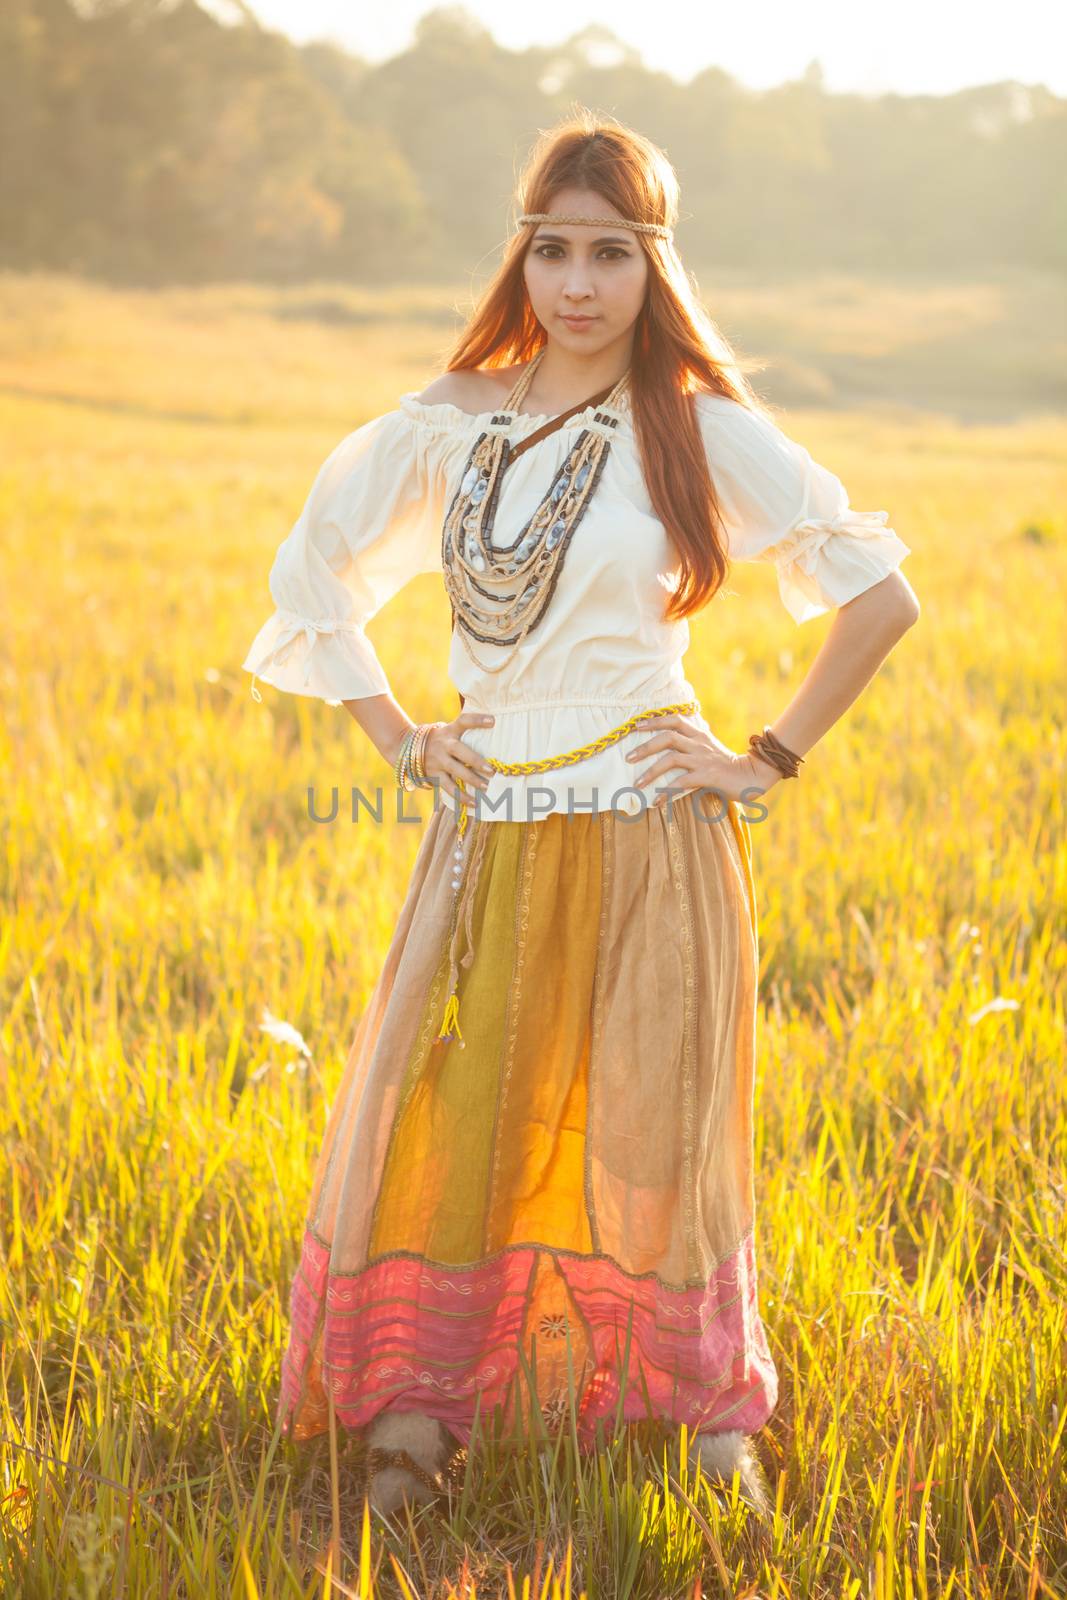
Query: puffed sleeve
780	505
370	523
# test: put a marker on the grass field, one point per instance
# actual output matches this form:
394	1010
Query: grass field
162	885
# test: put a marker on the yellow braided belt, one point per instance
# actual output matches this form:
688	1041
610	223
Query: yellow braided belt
548	763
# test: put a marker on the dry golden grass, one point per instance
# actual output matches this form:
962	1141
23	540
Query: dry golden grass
162	885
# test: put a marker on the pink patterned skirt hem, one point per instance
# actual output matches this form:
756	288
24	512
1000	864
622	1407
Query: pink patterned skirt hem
405	1333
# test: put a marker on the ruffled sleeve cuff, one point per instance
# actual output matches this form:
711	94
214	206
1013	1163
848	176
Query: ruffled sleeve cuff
825	562
326	658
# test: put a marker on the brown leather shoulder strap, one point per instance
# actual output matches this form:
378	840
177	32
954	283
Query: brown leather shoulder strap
556	422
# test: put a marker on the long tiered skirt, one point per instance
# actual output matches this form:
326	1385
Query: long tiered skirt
570	1181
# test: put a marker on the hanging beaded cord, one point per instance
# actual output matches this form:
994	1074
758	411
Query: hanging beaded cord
499	593
464	904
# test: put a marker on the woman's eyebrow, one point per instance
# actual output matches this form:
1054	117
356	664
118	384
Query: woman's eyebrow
558	238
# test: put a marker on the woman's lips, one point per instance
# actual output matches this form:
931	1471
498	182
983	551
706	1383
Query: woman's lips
578	322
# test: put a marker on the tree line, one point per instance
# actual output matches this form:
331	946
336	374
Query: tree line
155	143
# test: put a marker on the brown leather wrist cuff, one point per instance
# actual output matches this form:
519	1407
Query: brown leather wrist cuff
768	747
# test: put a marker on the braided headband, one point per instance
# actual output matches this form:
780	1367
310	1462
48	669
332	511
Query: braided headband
597	222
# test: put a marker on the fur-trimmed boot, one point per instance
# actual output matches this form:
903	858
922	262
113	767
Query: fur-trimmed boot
407	1450
721	1453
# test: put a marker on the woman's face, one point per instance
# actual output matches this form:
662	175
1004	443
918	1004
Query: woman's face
596	272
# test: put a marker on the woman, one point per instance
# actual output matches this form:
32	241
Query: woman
540	1151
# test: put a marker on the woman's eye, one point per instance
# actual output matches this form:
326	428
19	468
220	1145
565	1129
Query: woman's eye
611	251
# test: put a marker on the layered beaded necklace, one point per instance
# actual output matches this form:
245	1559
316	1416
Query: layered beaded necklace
499	593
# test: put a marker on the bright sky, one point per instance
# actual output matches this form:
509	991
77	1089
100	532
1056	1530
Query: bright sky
913	46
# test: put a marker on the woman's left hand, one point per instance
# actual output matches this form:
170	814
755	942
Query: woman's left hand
705	763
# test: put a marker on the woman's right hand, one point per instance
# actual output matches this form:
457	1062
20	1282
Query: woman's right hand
449	760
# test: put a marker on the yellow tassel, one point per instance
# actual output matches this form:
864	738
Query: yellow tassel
450	1020
461	813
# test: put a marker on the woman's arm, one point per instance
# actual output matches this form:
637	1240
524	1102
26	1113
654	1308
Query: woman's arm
859	639
382	720
863	632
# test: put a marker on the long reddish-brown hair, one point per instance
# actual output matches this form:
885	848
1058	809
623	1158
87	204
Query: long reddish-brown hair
677	349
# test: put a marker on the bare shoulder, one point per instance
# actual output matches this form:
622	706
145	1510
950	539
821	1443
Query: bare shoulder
474	389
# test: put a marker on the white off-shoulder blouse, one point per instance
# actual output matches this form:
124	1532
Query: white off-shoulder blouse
602	651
